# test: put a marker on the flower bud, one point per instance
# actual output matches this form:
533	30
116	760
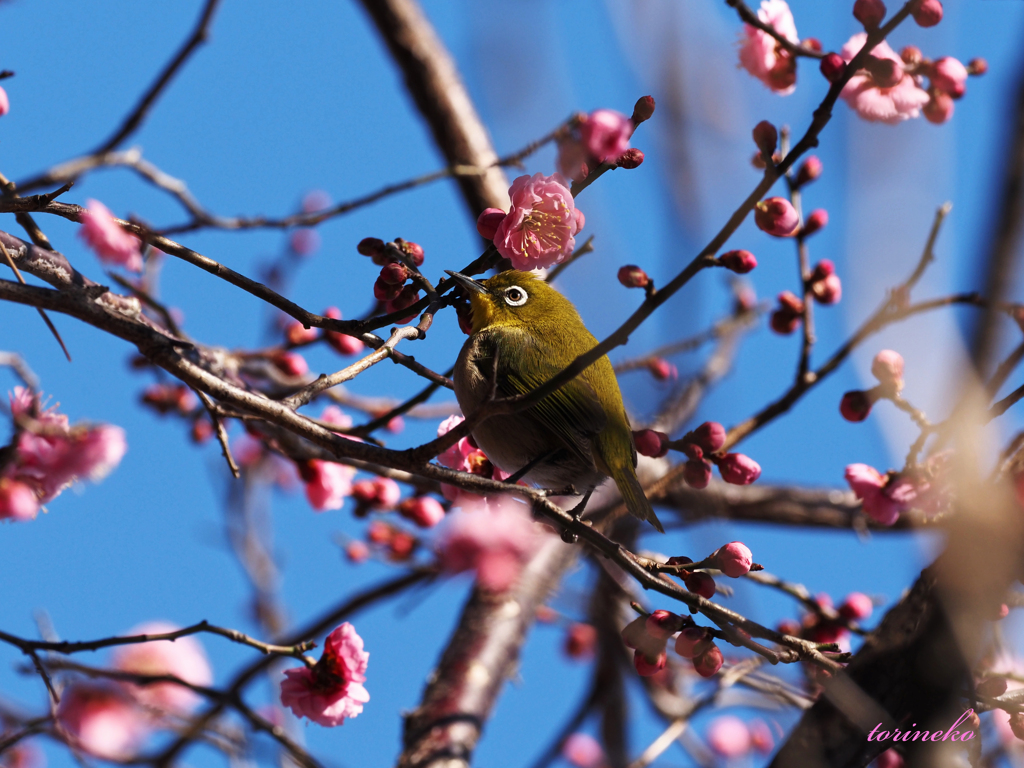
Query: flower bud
766	138
739	262
699	583
977	66
870	13
341	342
632	276
394	273
364	491
890	759
710	436
828	290
487	222
789	627
856	607
949	76
371	246
816	221
734	559
991	687
424	511
315	200
202	430
887	367
290	364
647	667
692	642
709	662
643	109
304	242
414	250
297	333
630	159
811	44
927	13
855	405
385	291
939	108
357	552
401	546
693	451
663	624
697	473
809	170
1017	724
912	56
409	296
833	67
885	72
651	443
738	469
787	317
580	640
661	369
776	216
379	532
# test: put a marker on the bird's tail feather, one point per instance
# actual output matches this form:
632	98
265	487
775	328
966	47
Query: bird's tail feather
636	501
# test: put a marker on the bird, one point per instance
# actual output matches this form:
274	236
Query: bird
523	333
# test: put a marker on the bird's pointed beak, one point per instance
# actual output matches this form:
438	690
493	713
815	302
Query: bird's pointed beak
468	283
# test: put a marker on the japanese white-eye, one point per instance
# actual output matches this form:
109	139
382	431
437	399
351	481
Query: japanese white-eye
575	437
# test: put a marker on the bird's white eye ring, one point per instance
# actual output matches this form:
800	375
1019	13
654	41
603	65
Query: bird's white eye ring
515	296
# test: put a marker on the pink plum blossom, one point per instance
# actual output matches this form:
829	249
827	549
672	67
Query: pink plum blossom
762	56
327	483
102	720
5	104
729	736
880	502
539	229
111	243
605	134
494	539
949	75
892	105
332	689
425	511
582	751
17	500
856	607
184	658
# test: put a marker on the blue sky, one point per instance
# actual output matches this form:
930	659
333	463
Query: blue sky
285	100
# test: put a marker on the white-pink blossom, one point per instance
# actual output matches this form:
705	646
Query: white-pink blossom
183	658
332	690
102	720
111	243
902	101
763	56
539	229
729	736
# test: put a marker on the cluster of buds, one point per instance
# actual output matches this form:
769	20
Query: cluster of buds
825	285
828	624
395	544
701	446
390	287
733	560
424	511
170	398
787	316
602	137
887	367
947	78
379	494
885	496
648	636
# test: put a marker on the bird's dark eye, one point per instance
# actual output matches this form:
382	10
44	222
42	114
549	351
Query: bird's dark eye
515	296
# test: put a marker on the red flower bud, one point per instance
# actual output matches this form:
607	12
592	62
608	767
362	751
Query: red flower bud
991	687
739	469
580	641
787	317
662	624
699	583
766	138
816	221
364	491
488	221
855	405
370	246
789	627
739	262
697	473
357	552
710	436
856	607
401	546
632	276
661	369
630	159
290	364
828	290
939	108
408	296
202	430
977	66
692	642
777	217
297	333
809	171
651	443
379	532
709	662
734	559
833	67
385	291
643	109
870	13
340	342
912	56
885	72
415	250
424	511
927	13
394	273
646	667
811	44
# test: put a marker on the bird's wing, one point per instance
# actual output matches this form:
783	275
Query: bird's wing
573	413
